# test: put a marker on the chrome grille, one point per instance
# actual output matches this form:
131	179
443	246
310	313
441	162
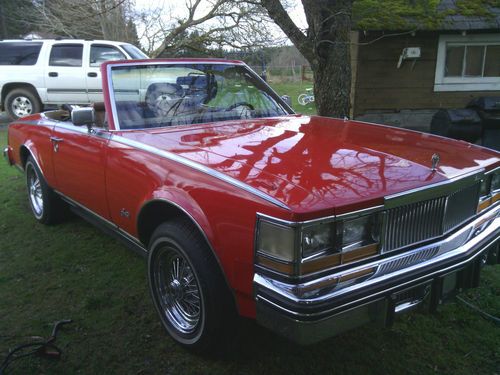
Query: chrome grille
407	261
421	221
414	223
462	205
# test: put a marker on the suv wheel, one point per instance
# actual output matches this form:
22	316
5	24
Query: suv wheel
22	102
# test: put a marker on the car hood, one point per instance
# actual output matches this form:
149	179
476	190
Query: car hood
317	164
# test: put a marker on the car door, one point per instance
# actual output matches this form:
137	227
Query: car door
99	53
79	159
64	75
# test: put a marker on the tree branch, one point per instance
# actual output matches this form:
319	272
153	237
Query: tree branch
280	16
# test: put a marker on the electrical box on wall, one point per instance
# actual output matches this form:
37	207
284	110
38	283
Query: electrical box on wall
409	53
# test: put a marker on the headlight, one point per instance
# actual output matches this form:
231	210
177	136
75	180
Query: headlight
304	249
317	239
359	232
277	241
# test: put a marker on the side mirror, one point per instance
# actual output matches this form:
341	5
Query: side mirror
83	116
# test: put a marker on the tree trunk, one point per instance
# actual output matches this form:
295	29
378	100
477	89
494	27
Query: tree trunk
330	28
326	46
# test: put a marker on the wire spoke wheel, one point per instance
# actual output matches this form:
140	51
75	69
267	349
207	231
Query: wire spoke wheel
35	192
177	289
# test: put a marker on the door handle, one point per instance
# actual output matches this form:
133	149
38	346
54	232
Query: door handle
53	74
92	74
55	143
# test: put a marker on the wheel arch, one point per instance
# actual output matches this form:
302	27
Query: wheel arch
158	210
17	85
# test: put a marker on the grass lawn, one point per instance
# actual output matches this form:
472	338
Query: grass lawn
294	89
73	271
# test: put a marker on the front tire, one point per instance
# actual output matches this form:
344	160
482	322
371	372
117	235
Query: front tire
188	289
22	102
45	204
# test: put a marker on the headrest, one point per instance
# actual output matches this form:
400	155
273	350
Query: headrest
99	106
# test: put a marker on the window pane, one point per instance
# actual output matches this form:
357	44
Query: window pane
19	53
134	52
99	54
66	55
492	64
474	61
454	61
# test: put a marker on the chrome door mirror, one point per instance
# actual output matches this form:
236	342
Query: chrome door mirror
83	116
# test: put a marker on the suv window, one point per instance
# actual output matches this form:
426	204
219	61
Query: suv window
102	53
134	52
66	55
19	53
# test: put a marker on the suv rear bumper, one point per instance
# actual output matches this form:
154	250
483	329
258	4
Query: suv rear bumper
399	283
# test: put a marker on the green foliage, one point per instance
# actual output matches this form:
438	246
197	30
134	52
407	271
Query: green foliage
412	14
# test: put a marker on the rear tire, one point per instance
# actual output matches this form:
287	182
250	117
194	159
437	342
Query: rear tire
45	204
188	288
22	102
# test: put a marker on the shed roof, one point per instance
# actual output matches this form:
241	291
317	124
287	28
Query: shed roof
427	15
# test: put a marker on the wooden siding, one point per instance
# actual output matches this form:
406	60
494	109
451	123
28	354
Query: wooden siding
380	86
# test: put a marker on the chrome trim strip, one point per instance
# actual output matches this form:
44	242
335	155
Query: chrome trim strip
199	167
106	221
326	219
494	170
434	190
490	232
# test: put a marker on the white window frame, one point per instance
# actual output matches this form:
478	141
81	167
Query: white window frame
442	83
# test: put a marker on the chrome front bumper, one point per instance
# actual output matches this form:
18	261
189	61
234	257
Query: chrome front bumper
315	310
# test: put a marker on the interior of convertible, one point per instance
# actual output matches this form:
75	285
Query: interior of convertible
64	114
147	96
161	95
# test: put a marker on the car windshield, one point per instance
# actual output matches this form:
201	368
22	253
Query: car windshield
159	95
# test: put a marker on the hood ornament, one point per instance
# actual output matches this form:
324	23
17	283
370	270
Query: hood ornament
435	161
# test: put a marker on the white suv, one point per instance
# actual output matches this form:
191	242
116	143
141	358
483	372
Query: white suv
34	73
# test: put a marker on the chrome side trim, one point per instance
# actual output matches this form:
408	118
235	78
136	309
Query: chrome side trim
326	219
199	167
113	226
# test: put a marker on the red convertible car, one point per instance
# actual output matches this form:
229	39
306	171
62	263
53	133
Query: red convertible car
310	225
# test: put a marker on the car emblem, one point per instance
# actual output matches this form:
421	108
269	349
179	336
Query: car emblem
435	161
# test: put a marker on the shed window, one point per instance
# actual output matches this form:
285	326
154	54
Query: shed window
468	63
472	61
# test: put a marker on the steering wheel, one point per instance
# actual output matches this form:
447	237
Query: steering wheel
244	109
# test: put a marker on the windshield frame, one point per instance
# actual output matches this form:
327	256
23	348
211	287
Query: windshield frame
108	66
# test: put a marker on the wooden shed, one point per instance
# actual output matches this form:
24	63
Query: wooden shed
403	76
